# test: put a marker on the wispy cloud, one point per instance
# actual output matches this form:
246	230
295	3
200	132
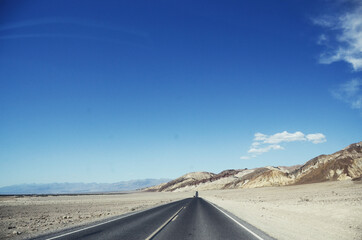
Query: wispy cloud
69	36
263	143
350	92
91	31
259	150
343	37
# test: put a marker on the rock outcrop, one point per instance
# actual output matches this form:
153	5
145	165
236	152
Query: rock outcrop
344	164
181	182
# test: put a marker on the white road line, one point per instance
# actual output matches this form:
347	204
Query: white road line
79	230
241	225
174	218
99	224
163	225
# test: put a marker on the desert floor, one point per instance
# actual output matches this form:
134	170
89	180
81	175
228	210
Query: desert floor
24	217
330	210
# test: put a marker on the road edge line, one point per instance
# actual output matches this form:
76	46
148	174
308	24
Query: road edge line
241	225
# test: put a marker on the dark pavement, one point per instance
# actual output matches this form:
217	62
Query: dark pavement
192	218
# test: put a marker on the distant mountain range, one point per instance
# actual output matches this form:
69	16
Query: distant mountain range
342	165
71	188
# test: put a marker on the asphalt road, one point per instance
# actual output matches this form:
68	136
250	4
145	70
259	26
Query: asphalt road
192	218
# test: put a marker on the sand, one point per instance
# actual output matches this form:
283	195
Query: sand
330	210
24	217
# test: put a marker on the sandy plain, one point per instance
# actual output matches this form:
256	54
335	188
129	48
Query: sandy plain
330	210
28	216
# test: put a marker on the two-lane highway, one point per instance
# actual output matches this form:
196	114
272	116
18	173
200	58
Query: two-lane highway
201	220
192	218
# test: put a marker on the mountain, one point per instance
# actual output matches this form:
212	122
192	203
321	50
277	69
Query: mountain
183	181
70	188
342	165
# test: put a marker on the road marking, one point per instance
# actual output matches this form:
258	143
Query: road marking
82	229
174	218
241	225
79	230
163	225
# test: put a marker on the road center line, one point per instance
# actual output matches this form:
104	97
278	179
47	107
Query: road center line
164	224
241	225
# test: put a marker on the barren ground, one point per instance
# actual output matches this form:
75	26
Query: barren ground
330	210
24	217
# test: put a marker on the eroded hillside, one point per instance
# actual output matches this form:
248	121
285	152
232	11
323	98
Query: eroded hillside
342	165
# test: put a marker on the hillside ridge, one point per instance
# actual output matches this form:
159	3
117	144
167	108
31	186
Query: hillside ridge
341	165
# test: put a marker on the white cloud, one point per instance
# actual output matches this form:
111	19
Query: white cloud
265	149
346	32
285	137
259	137
325	21
350	92
281	137
263	143
316	138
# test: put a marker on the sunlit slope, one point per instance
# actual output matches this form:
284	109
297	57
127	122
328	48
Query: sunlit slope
342	165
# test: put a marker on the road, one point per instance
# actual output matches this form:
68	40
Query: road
191	218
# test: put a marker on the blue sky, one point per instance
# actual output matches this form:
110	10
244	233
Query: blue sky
104	91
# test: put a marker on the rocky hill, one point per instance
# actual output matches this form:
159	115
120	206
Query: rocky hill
189	179
342	165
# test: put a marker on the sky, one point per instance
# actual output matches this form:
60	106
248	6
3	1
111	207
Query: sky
107	91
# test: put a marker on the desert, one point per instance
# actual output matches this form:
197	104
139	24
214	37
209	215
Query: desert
321	199
23	217
328	210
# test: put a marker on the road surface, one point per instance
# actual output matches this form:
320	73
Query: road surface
191	218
